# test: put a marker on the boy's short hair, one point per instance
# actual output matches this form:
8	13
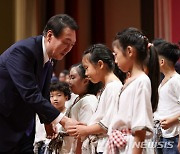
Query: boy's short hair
158	41
170	51
62	87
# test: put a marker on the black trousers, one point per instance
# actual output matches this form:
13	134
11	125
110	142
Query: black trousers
25	145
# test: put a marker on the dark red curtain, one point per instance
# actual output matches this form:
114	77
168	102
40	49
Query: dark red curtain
71	8
97	21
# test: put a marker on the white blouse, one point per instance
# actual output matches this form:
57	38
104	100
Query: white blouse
135	111
107	108
82	111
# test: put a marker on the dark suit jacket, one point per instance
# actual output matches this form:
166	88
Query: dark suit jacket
20	96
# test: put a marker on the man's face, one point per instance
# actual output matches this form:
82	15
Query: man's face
58	47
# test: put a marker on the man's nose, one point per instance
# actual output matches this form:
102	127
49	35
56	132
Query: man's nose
67	49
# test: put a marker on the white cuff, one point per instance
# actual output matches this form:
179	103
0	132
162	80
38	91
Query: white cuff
58	119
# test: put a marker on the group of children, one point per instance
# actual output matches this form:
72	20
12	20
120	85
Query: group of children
117	116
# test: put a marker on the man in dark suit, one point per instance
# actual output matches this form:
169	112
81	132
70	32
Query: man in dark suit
25	73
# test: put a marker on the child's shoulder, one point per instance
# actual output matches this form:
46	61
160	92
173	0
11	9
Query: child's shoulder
88	100
177	76
88	97
115	83
142	80
113	88
175	80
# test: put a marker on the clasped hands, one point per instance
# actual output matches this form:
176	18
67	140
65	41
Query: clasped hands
78	130
72	127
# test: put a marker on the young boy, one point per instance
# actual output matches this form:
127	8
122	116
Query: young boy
59	94
168	96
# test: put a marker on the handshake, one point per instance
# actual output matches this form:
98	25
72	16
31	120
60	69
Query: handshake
68	124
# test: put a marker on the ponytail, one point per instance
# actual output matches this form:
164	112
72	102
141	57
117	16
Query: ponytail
154	75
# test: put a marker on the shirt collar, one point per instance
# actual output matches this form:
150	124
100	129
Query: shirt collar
45	55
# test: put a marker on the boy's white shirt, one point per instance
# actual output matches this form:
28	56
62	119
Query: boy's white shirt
168	106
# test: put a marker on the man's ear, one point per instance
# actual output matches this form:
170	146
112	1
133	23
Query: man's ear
49	35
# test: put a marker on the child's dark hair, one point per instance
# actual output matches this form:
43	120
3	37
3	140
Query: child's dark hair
158	41
100	52
133	37
62	87
92	88
65	72
170	51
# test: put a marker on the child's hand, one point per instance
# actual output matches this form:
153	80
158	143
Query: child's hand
81	130
178	146
77	131
168	122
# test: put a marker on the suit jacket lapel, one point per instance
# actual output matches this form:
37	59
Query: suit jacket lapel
45	90
39	68
39	58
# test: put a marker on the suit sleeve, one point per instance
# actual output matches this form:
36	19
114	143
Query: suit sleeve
21	67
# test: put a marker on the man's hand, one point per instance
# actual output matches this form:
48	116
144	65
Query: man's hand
68	122
51	131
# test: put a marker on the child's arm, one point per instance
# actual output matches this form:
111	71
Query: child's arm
178	146
168	122
81	130
139	137
79	145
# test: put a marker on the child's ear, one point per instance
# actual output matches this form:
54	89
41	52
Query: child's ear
100	64
66	97
129	51
162	61
86	80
